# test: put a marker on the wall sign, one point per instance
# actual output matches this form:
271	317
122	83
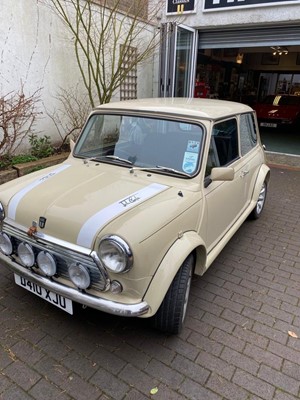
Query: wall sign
218	5
180	6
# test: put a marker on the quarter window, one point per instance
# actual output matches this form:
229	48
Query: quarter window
223	145
247	133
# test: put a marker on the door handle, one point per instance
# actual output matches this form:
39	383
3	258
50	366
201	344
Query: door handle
244	173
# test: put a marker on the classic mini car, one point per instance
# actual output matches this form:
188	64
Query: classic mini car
279	111
150	194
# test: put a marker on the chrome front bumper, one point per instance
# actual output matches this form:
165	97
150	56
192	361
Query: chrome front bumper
98	303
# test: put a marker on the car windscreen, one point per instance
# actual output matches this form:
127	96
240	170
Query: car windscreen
289	101
142	142
268	99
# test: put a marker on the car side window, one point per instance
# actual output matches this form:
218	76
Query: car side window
223	147
247	133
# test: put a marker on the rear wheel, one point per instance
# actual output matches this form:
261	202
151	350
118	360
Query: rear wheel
171	314
255	214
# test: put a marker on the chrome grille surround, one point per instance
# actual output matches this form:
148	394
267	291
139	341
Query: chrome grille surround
64	253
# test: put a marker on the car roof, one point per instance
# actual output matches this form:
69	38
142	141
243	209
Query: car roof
203	108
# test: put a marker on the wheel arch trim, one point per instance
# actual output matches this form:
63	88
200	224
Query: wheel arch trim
262	176
189	242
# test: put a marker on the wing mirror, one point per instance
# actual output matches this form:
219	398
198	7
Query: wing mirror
219	174
222	174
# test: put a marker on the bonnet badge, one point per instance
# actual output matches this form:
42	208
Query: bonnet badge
42	222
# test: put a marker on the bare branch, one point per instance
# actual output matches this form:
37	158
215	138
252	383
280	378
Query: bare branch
71	113
18	115
100	28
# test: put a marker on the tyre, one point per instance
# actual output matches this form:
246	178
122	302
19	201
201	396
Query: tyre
171	314
256	212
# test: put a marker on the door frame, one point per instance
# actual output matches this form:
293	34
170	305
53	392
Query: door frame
168	58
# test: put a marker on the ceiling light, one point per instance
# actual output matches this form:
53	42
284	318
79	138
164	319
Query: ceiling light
278	50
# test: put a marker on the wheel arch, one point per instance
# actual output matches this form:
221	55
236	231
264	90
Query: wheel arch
262	176
189	243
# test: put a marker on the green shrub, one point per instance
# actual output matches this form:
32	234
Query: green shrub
41	147
23	158
5	161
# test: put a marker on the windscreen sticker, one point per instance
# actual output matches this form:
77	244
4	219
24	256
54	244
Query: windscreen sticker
14	202
189	164
101	218
193	146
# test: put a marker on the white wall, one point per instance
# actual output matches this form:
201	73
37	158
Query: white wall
36	52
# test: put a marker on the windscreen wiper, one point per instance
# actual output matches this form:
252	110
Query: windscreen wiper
175	171
159	168
112	157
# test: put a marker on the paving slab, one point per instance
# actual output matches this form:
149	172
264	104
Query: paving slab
241	339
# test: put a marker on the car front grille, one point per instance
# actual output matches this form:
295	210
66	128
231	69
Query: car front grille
63	257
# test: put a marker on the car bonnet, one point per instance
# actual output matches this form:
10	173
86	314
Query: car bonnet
74	202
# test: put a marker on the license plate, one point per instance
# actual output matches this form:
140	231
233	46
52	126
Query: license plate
53	298
268	125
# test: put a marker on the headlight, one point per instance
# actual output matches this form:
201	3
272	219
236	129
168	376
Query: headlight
46	263
115	254
2	213
5	244
79	275
26	254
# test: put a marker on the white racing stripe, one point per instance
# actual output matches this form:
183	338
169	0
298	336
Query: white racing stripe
98	220
14	202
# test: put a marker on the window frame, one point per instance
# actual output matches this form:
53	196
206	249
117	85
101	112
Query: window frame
215	152
253	135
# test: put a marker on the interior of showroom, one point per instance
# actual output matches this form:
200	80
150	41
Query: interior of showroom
249	64
242	65
250	72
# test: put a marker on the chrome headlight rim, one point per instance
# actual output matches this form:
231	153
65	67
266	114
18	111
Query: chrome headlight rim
2	212
122	247
7	242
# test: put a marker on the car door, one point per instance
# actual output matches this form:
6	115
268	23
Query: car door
250	153
224	200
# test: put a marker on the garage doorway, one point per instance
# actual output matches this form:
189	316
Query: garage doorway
243	65
246	65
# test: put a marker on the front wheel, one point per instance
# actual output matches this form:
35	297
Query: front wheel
171	314
256	212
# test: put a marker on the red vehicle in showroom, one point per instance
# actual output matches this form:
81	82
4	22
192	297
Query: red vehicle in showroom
280	110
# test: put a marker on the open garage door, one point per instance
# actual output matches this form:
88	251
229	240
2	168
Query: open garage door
249	65
288	35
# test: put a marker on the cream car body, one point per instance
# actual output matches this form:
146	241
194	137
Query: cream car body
110	210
